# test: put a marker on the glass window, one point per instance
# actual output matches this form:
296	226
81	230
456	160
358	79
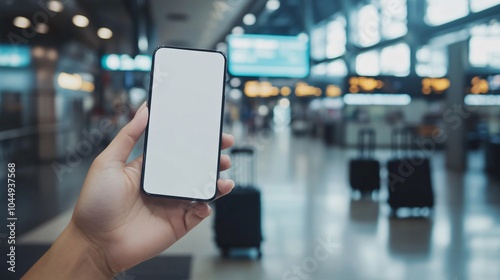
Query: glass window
367	29
479	5
391	61
443	11
318	42
336	68
395	60
393	18
319	70
432	62
336	37
368	64
483	46
484	51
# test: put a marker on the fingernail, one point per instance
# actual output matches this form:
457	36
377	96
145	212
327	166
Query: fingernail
198	206
141	108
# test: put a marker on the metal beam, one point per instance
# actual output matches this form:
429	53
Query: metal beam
474	18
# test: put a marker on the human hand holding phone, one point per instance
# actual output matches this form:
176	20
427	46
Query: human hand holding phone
115	225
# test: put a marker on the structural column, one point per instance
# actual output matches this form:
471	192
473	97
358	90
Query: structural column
46	110
455	113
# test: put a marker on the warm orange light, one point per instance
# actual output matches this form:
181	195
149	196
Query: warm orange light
358	84
74	82
436	85
251	89
333	91
303	89
441	85
275	91
286	91
260	89
426	82
370	84
87	86
475	80
426	90
479	86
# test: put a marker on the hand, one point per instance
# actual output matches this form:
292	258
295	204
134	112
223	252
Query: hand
126	226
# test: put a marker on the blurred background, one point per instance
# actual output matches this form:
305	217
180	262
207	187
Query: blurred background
305	77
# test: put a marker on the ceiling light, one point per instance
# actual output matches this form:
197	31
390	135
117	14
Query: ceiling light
235	82
143	44
55	6
238	30
70	81
52	54
263	110
104	33
21	22
38	52
235	94
80	21
42	28
273	5
249	19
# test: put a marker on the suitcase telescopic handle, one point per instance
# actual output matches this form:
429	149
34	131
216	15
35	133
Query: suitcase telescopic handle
243	168
366	147
401	140
242	150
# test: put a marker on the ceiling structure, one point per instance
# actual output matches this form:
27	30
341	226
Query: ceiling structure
185	23
194	23
110	14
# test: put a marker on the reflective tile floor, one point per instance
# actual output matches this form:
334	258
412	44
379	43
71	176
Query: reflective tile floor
313	229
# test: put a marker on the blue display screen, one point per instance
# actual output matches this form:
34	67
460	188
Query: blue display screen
14	56
124	62
268	56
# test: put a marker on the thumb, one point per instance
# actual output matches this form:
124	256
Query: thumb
120	148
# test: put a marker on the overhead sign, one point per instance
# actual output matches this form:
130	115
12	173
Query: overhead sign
14	56
124	62
413	86
268	56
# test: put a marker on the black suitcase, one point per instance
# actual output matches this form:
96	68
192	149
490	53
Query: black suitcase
364	172
410	184
238	215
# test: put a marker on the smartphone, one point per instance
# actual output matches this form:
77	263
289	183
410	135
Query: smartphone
184	131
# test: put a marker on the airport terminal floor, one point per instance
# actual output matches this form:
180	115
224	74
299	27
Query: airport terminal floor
307	204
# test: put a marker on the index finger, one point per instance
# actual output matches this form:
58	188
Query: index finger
227	141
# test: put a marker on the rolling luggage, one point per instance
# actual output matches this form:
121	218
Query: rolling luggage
238	214
410	184
364	172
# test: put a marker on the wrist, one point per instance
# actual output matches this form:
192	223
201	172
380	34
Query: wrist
90	255
72	256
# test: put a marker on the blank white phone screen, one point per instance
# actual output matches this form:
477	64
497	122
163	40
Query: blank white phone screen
182	147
